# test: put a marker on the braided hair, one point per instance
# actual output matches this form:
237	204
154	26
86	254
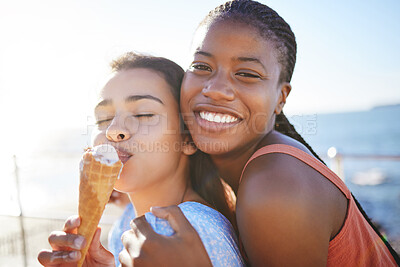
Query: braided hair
268	24
274	28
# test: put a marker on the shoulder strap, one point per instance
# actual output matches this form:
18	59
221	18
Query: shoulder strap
304	157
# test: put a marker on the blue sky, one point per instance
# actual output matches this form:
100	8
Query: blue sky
55	54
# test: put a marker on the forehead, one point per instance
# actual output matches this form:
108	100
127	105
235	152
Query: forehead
137	81
228	33
232	39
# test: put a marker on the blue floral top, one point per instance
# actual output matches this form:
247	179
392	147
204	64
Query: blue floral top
214	229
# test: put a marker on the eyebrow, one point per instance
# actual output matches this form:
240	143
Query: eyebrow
199	52
134	98
241	59
131	98
105	102
250	59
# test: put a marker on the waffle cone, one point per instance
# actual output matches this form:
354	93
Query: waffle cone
96	184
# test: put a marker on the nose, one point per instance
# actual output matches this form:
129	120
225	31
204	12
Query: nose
118	131
219	88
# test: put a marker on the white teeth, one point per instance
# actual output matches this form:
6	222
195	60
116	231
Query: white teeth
217	117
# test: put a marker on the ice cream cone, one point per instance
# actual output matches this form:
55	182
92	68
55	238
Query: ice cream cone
96	184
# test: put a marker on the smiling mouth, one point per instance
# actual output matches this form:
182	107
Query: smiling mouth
217	117
216	121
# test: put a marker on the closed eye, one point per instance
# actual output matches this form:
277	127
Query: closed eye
103	121
147	115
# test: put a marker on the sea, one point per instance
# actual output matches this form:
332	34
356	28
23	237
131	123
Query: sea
368	144
44	183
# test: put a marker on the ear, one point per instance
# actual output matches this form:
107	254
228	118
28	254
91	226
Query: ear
284	92
188	147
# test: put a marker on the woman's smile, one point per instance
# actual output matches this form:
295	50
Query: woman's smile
230	95
216	118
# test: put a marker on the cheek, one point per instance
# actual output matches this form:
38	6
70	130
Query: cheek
98	137
261	116
190	88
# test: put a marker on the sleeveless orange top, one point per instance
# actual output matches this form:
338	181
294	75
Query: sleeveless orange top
357	244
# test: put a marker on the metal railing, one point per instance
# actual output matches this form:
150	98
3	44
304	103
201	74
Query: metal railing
337	159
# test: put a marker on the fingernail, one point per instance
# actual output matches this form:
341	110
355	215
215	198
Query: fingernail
78	242
74	220
74	255
154	208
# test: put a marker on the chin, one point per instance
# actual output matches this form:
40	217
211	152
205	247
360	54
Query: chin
122	187
213	146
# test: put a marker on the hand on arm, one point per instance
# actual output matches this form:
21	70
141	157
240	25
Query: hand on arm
144	247
66	245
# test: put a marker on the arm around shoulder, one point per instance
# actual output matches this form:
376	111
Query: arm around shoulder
282	218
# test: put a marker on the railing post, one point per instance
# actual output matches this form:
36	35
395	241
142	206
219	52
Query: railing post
21	215
336	162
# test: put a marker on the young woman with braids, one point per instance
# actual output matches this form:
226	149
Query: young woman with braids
291	209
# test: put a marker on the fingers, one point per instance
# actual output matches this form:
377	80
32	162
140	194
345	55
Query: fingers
175	218
125	259
52	258
71	224
96	239
98	252
140	226
61	240
133	242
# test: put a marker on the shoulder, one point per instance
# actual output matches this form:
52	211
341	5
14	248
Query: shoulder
276	137
287	180
286	207
205	219
281	174
216	233
282	179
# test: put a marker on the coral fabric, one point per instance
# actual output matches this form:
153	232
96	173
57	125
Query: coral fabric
356	244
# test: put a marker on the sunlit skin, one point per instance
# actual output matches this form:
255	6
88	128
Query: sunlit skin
286	212
138	115
243	81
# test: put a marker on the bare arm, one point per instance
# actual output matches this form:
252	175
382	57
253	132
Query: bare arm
285	213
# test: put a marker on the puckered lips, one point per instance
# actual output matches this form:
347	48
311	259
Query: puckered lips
216	118
123	154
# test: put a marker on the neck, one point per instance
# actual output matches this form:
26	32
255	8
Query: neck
170	190
157	196
230	165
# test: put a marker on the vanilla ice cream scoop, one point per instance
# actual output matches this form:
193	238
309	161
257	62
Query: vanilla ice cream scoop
105	154
100	168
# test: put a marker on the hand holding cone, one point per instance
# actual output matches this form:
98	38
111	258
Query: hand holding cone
100	168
